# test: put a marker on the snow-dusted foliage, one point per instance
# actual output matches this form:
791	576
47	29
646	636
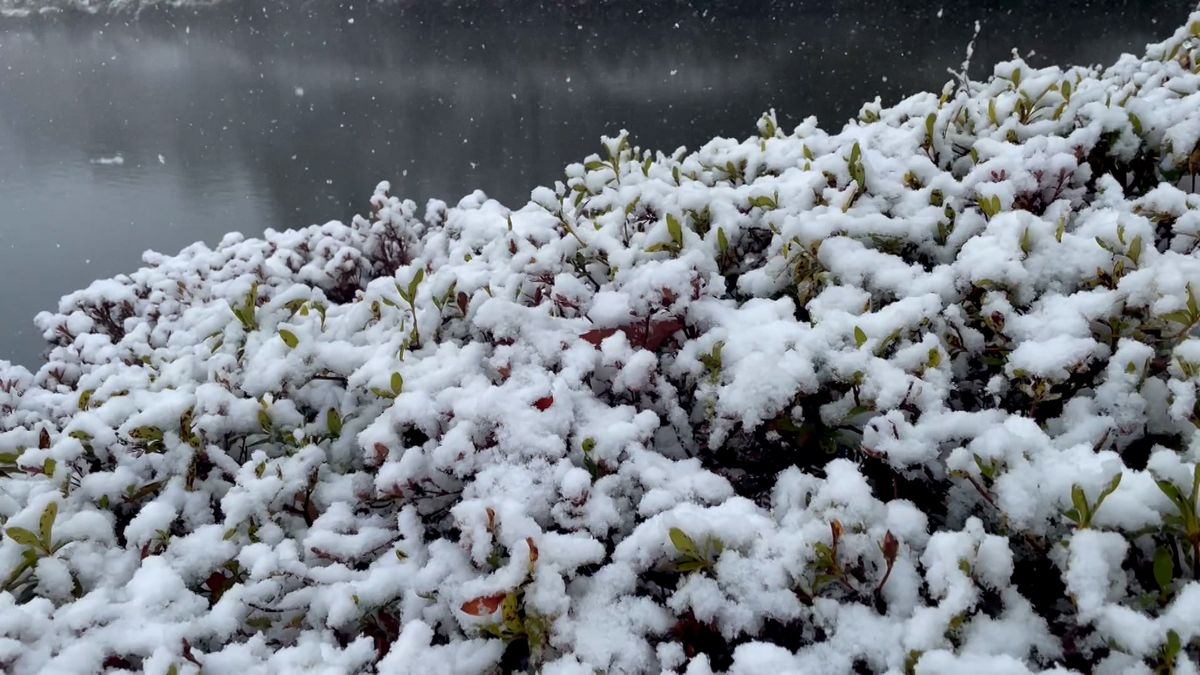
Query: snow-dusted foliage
919	396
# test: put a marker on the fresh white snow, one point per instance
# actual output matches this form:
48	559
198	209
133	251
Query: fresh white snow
914	396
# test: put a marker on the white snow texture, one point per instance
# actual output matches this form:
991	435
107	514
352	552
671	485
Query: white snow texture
918	396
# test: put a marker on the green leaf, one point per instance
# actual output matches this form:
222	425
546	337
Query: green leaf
250	302
1168	488
85	397
23	537
691	565
48	467
46	524
1164	568
675	229
289	338
1178	316
397	384
510	614
1135	249
935	357
855	154
1079	501
860	338
1191	302
722	242
594	165
333	421
414	284
1137	124
1066	90
1171	649
683	543
1109	489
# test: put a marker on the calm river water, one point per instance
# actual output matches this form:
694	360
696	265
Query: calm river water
119	135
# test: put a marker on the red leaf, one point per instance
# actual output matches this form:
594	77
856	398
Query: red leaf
216	586
660	332
595	337
533	551
483	605
544	403
381	453
187	653
639	336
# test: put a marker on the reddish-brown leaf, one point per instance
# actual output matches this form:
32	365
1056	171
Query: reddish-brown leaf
891	546
660	332
44	439
216	586
533	551
544	403
595	337
381	453
483	605
640	335
187	653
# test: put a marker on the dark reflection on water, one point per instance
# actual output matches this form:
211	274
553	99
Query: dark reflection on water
250	118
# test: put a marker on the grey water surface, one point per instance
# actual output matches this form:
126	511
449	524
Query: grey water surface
120	134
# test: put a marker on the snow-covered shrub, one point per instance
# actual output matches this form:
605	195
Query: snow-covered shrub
919	396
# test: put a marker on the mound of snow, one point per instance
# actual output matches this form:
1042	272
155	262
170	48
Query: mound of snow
916	396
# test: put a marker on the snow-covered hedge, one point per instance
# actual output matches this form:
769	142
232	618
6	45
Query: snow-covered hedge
916	396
